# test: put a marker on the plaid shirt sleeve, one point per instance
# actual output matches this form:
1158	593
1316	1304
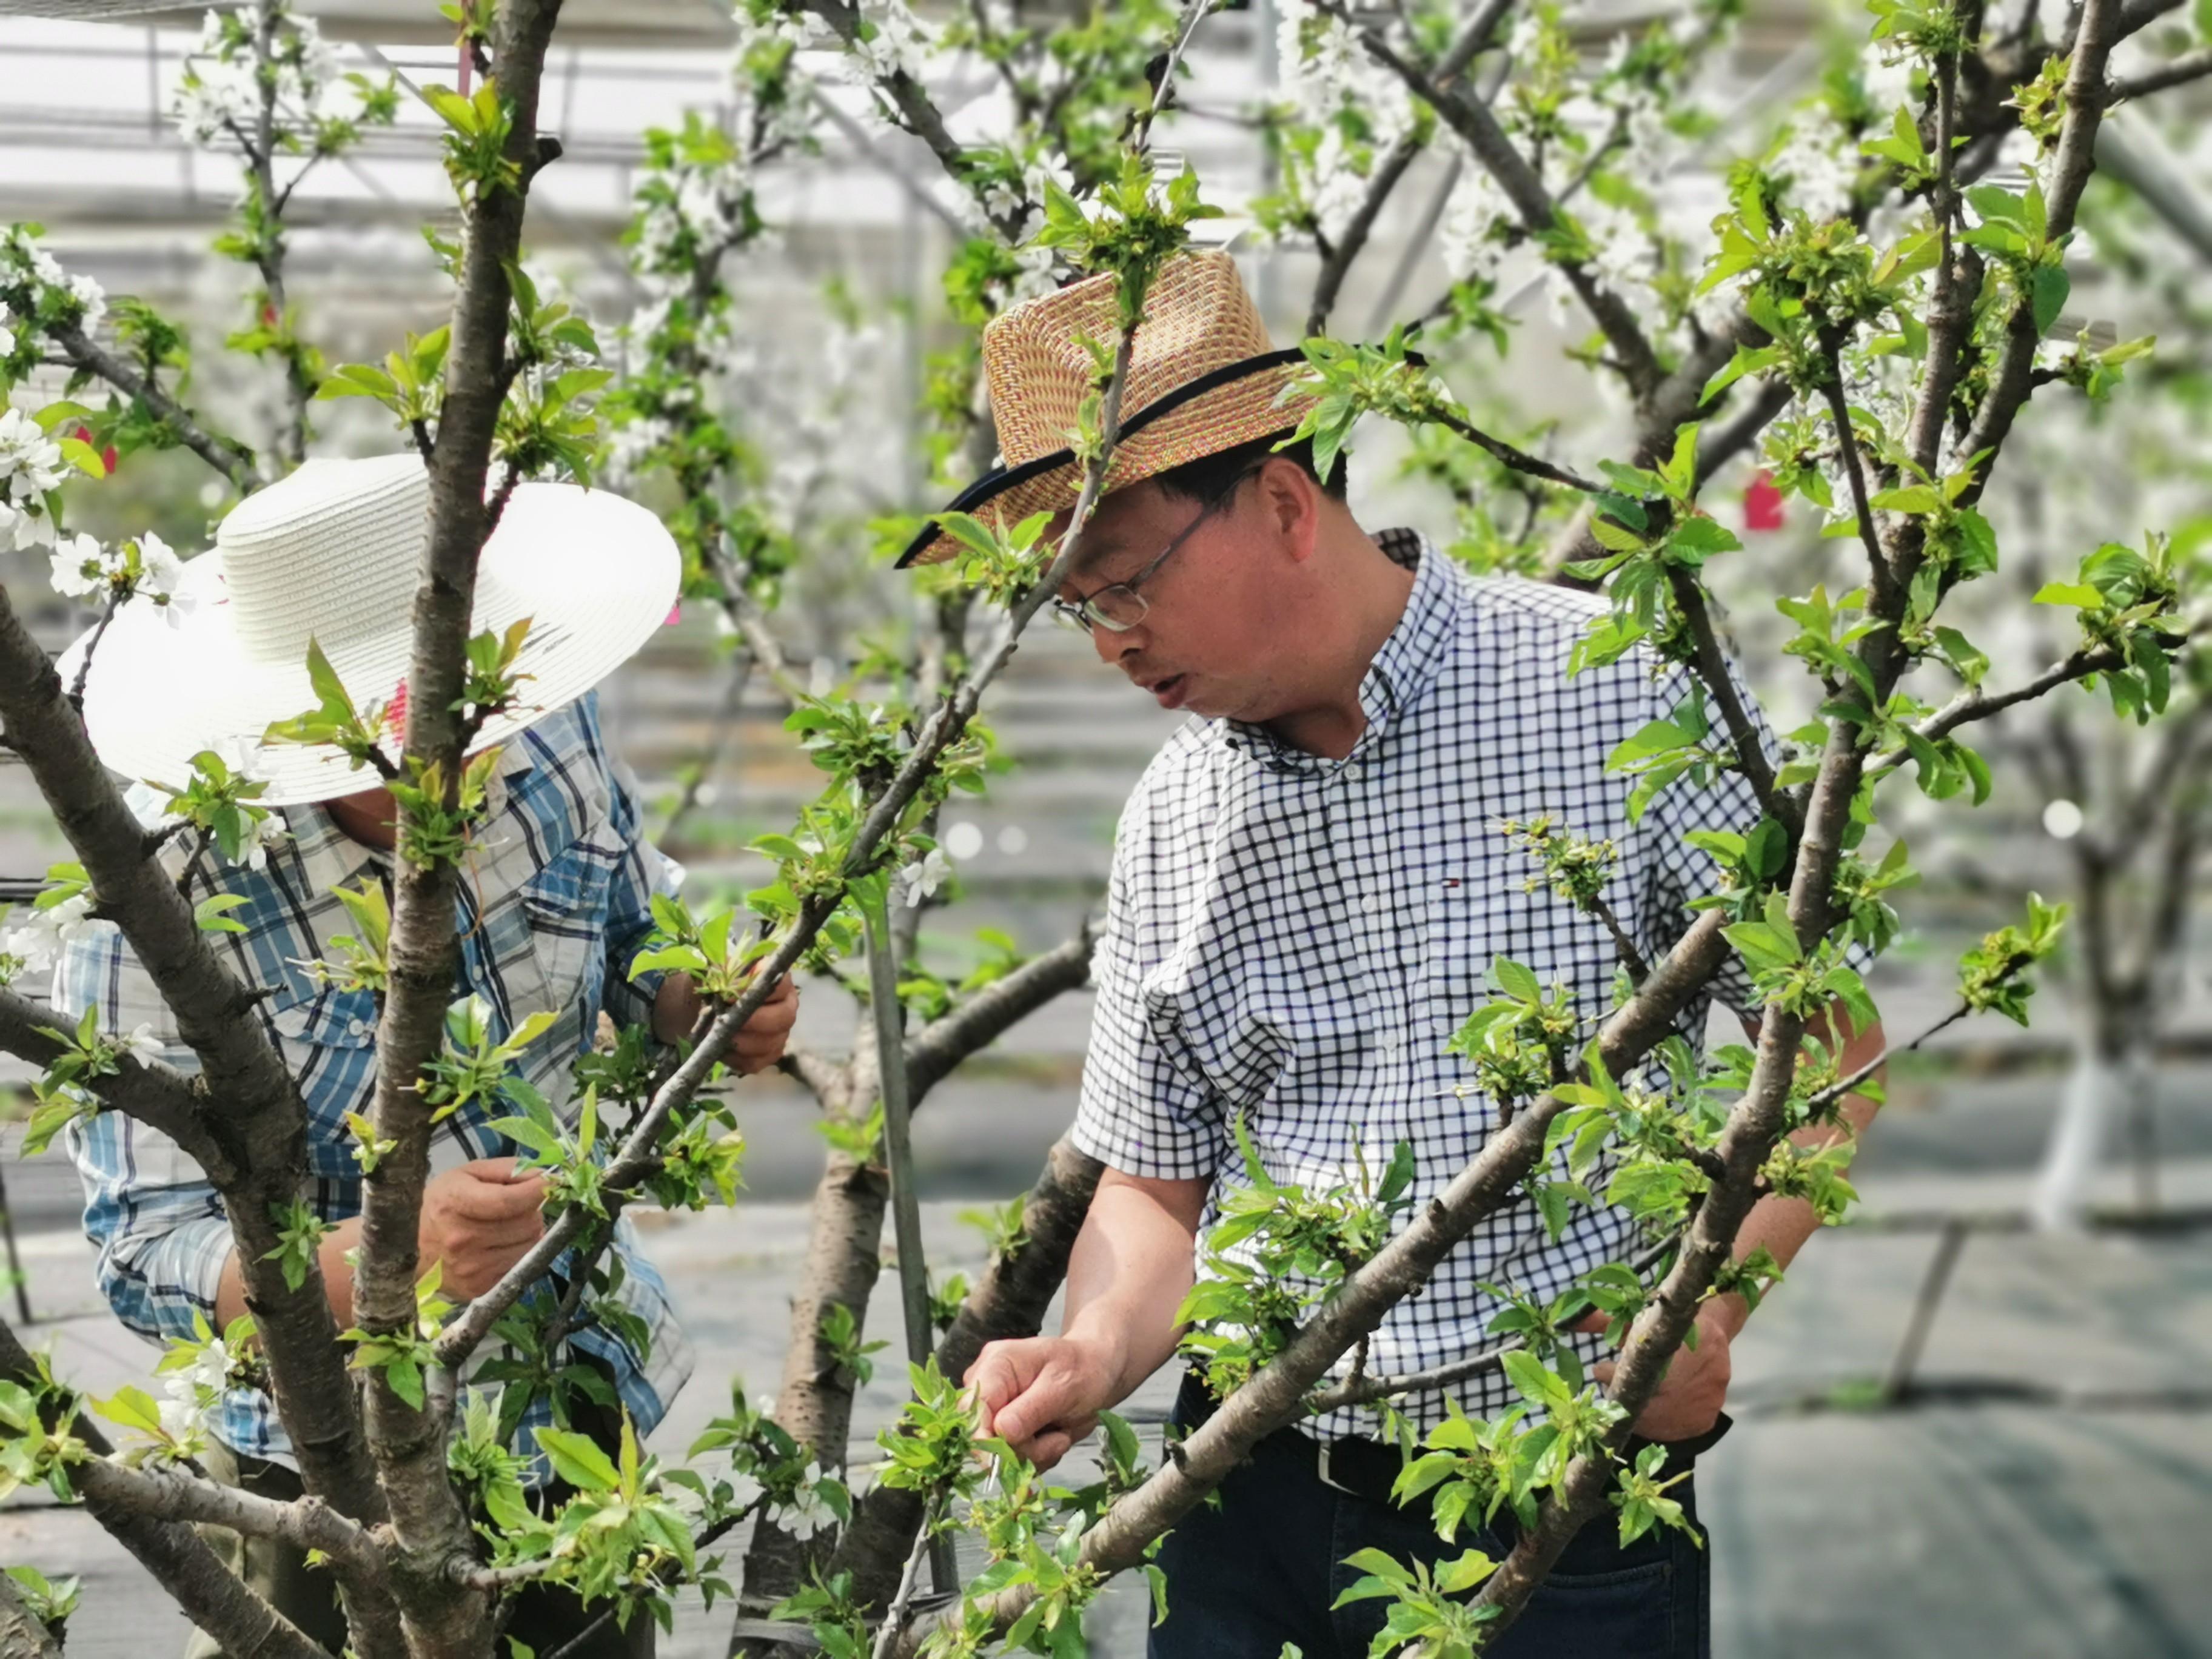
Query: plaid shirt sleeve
153	1216
644	873
1146	1109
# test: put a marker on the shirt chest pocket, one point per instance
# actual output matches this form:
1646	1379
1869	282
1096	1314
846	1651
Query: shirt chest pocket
329	1041
565	908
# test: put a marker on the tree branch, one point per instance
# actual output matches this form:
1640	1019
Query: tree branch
407	1442
255	1149
226	455
211	1594
1479	131
1712	669
158	1096
2190	66
1348	246
166	1494
932	1052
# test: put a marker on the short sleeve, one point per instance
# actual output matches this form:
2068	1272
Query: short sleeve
1146	1109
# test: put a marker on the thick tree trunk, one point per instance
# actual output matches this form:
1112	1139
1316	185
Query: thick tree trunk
1009	1301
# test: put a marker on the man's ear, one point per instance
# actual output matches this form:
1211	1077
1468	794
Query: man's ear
1290	504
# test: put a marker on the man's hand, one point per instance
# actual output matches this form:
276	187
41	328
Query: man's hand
760	1041
1042	1394
1688	1402
479	1220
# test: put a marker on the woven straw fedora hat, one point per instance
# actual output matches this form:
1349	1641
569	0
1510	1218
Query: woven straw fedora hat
333	553
1203	378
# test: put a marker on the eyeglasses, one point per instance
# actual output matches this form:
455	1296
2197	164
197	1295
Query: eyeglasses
1119	607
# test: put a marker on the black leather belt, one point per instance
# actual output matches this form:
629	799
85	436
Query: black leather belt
1365	1467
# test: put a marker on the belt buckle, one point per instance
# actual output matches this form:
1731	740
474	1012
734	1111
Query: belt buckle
1321	1469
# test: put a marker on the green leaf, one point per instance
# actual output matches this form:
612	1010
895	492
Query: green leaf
2074	593
208	916
1515	980
2047	292
577	1459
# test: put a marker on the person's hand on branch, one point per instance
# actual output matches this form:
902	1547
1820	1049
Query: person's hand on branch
1042	1394
760	1042
1688	1401
479	1220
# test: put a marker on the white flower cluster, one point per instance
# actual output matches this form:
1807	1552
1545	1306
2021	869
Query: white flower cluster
30	466
1820	161
40	940
7	334
709	203
82	568
29	262
1322	70
898	43
220	91
1466	237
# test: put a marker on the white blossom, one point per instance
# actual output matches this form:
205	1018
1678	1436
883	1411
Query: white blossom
161	582
808	1512
244	755
142	1044
93	297
181	1413
920	880
1465	237
264	837
7	334
81	567
42	936
30	461
1820	163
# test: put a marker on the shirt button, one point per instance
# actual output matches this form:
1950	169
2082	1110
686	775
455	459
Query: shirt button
1371	904
356	1027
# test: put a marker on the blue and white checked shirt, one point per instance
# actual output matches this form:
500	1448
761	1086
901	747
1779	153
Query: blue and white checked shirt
554	904
1295	938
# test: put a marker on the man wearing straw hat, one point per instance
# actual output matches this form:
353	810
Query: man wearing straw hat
1308	886
554	899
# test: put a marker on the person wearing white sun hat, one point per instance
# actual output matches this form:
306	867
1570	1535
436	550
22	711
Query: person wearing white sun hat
555	899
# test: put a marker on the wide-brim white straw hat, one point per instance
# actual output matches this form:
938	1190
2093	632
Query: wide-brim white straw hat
334	553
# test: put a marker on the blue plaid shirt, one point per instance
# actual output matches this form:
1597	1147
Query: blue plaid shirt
554	904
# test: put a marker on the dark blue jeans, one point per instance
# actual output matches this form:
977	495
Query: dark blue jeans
1264	1567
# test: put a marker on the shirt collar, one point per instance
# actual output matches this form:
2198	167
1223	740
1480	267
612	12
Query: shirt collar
1403	669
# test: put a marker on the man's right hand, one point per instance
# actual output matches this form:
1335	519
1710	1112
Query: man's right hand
1042	1394
479	1220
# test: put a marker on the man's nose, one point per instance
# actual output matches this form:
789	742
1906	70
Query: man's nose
1111	646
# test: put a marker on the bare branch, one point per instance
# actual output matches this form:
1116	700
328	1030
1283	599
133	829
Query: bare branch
158	1096
306	1523
1479	129
2190	66
226	455
1712	669
1348	247
255	1150
932	1052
